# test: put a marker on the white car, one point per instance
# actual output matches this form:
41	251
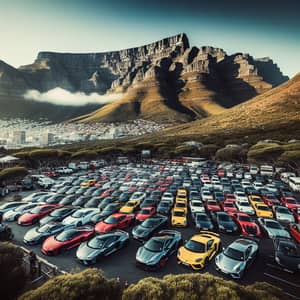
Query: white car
206	195
138	196
246	183
45	182
167	197
248	176
64	170
273	228
196	206
14	214
245	207
258	185
271	187
34	196
240	196
81	217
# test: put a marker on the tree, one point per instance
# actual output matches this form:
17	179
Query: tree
208	151
231	153
89	284
264	152
12	272
14	173
291	159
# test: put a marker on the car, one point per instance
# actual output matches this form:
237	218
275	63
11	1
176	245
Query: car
58	214
81	200
93	202
56	198
138	196
164	207
10	206
130	206
199	250
34	197
45	182
247	226
88	183
224	223
179	217
287	254
38	234
237	257
181	205
35	214
296	213
270	199
253	199
100	246
240	196
155	253
290	202
148	202
273	228
14	214
228	207
206	195
295	231
283	214
147	228
115	221
66	240
262	210
67	200
203	222
196	206
212	206
145	213
80	217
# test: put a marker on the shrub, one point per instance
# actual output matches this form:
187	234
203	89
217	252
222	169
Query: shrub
185	150
231	153
89	284
12	273
208	151
85	154
13	173
22	154
43	154
264	152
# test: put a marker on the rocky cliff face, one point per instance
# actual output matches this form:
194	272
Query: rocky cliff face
166	80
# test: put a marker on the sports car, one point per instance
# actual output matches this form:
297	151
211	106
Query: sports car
228	207
253	199
146	229
164	207
199	250
196	206
287	254
262	210
290	202
37	213
181	205
203	221
179	217
295	232
155	252
273	228
9	206
115	221
212	206
145	213
223	222
38	234
58	215
296	213
101	245
237	257
14	214
66	240
270	200
283	214
130	206
246	225
80	217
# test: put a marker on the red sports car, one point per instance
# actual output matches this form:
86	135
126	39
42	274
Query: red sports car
66	240
212	205
270	200
247	226
115	221
229	207
290	202
230	197
145	213
295	231
296	213
37	213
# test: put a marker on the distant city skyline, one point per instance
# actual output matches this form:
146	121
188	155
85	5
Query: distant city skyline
261	28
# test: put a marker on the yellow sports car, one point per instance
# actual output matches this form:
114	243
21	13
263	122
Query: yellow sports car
262	210
179	217
255	199
130	206
181	192
199	249
181	205
88	183
181	198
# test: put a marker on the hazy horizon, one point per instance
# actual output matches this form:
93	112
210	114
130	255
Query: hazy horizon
260	28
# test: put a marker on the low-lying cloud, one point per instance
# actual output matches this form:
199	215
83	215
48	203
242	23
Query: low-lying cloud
59	96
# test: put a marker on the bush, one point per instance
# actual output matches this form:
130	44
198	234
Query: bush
89	284
12	273
208	151
232	153
185	150
264	152
13	173
22	154
85	154
43	154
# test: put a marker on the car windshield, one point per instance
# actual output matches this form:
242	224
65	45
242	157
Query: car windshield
59	212
179	204
212	203
262	207
228	205
35	210
23	207
274	225
96	242
111	220
44	228
234	254
288	249
197	204
244	204
66	235
149	223
244	219
291	201
224	218
283	210
145	212
195	246
178	213
130	204
154	245
164	204
202	218
78	214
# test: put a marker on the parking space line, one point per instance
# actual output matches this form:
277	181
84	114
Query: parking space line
292	296
283	280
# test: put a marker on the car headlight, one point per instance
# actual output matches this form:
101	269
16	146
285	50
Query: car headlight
198	259
299	266
278	260
221	227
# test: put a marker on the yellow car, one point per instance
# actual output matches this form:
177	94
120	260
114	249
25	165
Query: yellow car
262	210
181	205
179	217
130	206
181	192
88	183
181	198
255	199
199	249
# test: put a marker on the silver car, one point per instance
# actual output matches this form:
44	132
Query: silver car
237	257
283	214
273	228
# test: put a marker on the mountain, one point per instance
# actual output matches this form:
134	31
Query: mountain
165	81
274	114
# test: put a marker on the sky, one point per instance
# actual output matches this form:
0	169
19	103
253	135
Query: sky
259	27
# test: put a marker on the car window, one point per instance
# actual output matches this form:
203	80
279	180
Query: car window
209	243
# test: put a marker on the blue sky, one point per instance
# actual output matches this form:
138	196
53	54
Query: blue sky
261	28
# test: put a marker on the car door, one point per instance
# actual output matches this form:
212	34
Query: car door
210	248
123	222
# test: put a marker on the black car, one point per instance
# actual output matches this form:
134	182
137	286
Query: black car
224	223
148	202
203	221
146	229
107	211
287	255
164	207
68	200
58	215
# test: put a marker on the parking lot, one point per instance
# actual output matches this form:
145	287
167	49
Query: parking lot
123	264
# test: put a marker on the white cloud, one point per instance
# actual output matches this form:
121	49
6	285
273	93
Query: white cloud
59	96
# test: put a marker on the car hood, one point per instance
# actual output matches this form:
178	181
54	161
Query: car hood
148	257
141	231
278	232
33	234
227	264
285	217
85	252
11	214
48	219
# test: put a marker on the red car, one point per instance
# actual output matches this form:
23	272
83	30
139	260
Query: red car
51	174
296	213
221	172
115	221
212	205
37	213
145	213
229	207
270	200
230	197
66	240
290	202
247	226
295	231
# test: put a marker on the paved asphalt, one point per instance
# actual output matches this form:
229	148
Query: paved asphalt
122	264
